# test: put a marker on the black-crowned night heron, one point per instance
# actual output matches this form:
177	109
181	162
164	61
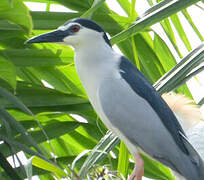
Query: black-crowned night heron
125	101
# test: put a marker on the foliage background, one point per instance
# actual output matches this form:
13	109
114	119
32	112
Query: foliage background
41	96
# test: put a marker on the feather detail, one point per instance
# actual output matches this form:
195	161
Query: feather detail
187	113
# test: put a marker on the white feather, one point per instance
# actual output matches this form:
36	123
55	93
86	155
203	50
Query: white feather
187	113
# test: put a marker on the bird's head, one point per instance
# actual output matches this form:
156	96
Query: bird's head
74	32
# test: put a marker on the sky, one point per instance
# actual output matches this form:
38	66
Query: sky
196	85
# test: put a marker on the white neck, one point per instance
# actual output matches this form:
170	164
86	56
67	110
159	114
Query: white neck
92	56
93	63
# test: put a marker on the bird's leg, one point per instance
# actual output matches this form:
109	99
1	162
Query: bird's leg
138	170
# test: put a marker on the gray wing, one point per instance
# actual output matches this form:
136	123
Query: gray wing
144	89
134	117
148	123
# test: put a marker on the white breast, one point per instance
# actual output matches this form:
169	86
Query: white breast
93	66
92	70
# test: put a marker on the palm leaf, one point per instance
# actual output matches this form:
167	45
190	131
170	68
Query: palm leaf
41	94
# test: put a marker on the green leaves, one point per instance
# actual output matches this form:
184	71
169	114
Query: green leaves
8	72
164	54
96	4
182	71
39	57
5	5
44	111
106	144
148	58
8	168
156	170
188	17
38	162
152	16
16	12
181	31
123	160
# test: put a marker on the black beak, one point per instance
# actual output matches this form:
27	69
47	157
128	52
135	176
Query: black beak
53	36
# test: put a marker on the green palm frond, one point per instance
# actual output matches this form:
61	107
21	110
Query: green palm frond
44	110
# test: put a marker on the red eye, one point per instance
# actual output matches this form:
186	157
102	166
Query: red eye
75	28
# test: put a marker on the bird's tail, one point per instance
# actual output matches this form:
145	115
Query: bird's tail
193	163
189	117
